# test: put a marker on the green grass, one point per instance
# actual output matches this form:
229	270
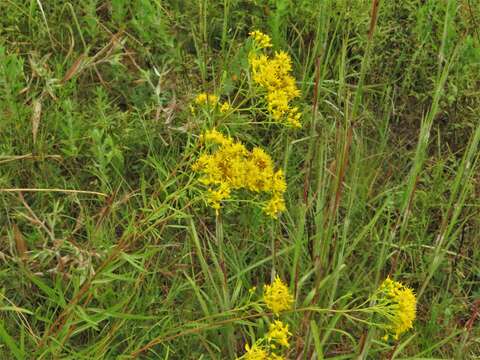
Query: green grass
107	250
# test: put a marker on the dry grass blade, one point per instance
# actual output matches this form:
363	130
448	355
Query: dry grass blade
36	115
374	18
19	242
67	191
74	69
10	158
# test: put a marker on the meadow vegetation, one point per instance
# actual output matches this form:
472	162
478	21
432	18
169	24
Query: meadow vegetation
254	179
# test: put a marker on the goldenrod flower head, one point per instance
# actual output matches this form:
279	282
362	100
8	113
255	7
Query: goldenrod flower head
215	197
201	99
277	296
232	167
279	184
275	206
278	333
255	352
273	74
226	107
258	352
206	99
216	137
293	117
262	40
402	304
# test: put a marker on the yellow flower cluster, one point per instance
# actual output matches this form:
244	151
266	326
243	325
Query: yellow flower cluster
226	107
402	303
212	101
261	39
206	99
277	296
257	352
278	333
232	167
273	74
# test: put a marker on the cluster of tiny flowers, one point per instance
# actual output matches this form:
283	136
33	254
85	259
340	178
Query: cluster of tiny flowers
226	107
277	296
255	352
212	101
258	352
278	334
261	40
402	304
273	74
232	167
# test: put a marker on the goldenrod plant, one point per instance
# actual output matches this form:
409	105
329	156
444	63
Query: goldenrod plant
400	306
239	179
231	167
274	343
273	74
277	296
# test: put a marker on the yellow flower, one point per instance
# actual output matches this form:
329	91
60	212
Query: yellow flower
276	357
273	74
201	99
278	333
279	184
293	117
215	197
261	39
213	99
206	99
255	353
216	137
232	167
277	296
402	304
275	206
225	107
